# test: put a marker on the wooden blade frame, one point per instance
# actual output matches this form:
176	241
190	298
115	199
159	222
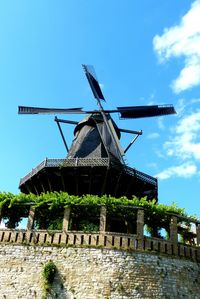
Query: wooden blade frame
145	111
38	110
94	84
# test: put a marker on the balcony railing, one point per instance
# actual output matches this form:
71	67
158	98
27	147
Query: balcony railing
88	162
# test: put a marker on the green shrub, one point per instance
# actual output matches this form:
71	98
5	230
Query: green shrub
49	272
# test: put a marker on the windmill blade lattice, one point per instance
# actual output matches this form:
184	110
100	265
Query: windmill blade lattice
37	110
145	111
94	84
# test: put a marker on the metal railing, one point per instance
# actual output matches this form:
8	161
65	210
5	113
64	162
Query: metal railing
75	162
87	162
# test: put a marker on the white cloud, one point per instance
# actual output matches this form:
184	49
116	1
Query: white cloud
185	170
101	85
183	106
183	40
153	135
184	146
180	106
195	101
189	76
152	165
151	99
186	140
161	125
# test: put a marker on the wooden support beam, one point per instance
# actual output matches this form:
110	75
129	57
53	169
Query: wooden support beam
173	230
90	181
43	189
63	182
36	190
117	184
28	188
102	225
174	234
130	184
66	219
140	228
198	234
77	182
48	181
31	218
140	224
104	182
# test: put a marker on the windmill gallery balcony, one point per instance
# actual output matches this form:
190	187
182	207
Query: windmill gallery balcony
80	176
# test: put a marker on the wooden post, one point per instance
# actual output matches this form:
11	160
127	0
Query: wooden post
102	225
31	218
198	233
140	227
66	219
173	230
174	234
140	224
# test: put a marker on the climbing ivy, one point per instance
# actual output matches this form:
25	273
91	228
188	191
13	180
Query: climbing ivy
48	274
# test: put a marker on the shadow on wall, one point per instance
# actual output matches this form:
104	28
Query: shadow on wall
59	290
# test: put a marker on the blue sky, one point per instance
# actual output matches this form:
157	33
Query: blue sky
144	52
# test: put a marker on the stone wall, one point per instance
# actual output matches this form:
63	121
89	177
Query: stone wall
95	273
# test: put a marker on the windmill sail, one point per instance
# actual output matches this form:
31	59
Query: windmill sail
145	111
37	110
94	84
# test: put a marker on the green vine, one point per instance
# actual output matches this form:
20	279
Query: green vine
85	210
48	274
54	200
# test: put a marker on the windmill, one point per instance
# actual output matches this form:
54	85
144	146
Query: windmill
94	162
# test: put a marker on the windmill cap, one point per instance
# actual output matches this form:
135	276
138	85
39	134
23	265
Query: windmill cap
91	120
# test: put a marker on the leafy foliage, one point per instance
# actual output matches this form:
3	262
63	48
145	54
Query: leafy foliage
58	199
49	272
55	200
85	210
50	219
87	226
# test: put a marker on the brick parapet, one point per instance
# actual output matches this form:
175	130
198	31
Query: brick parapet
103	240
